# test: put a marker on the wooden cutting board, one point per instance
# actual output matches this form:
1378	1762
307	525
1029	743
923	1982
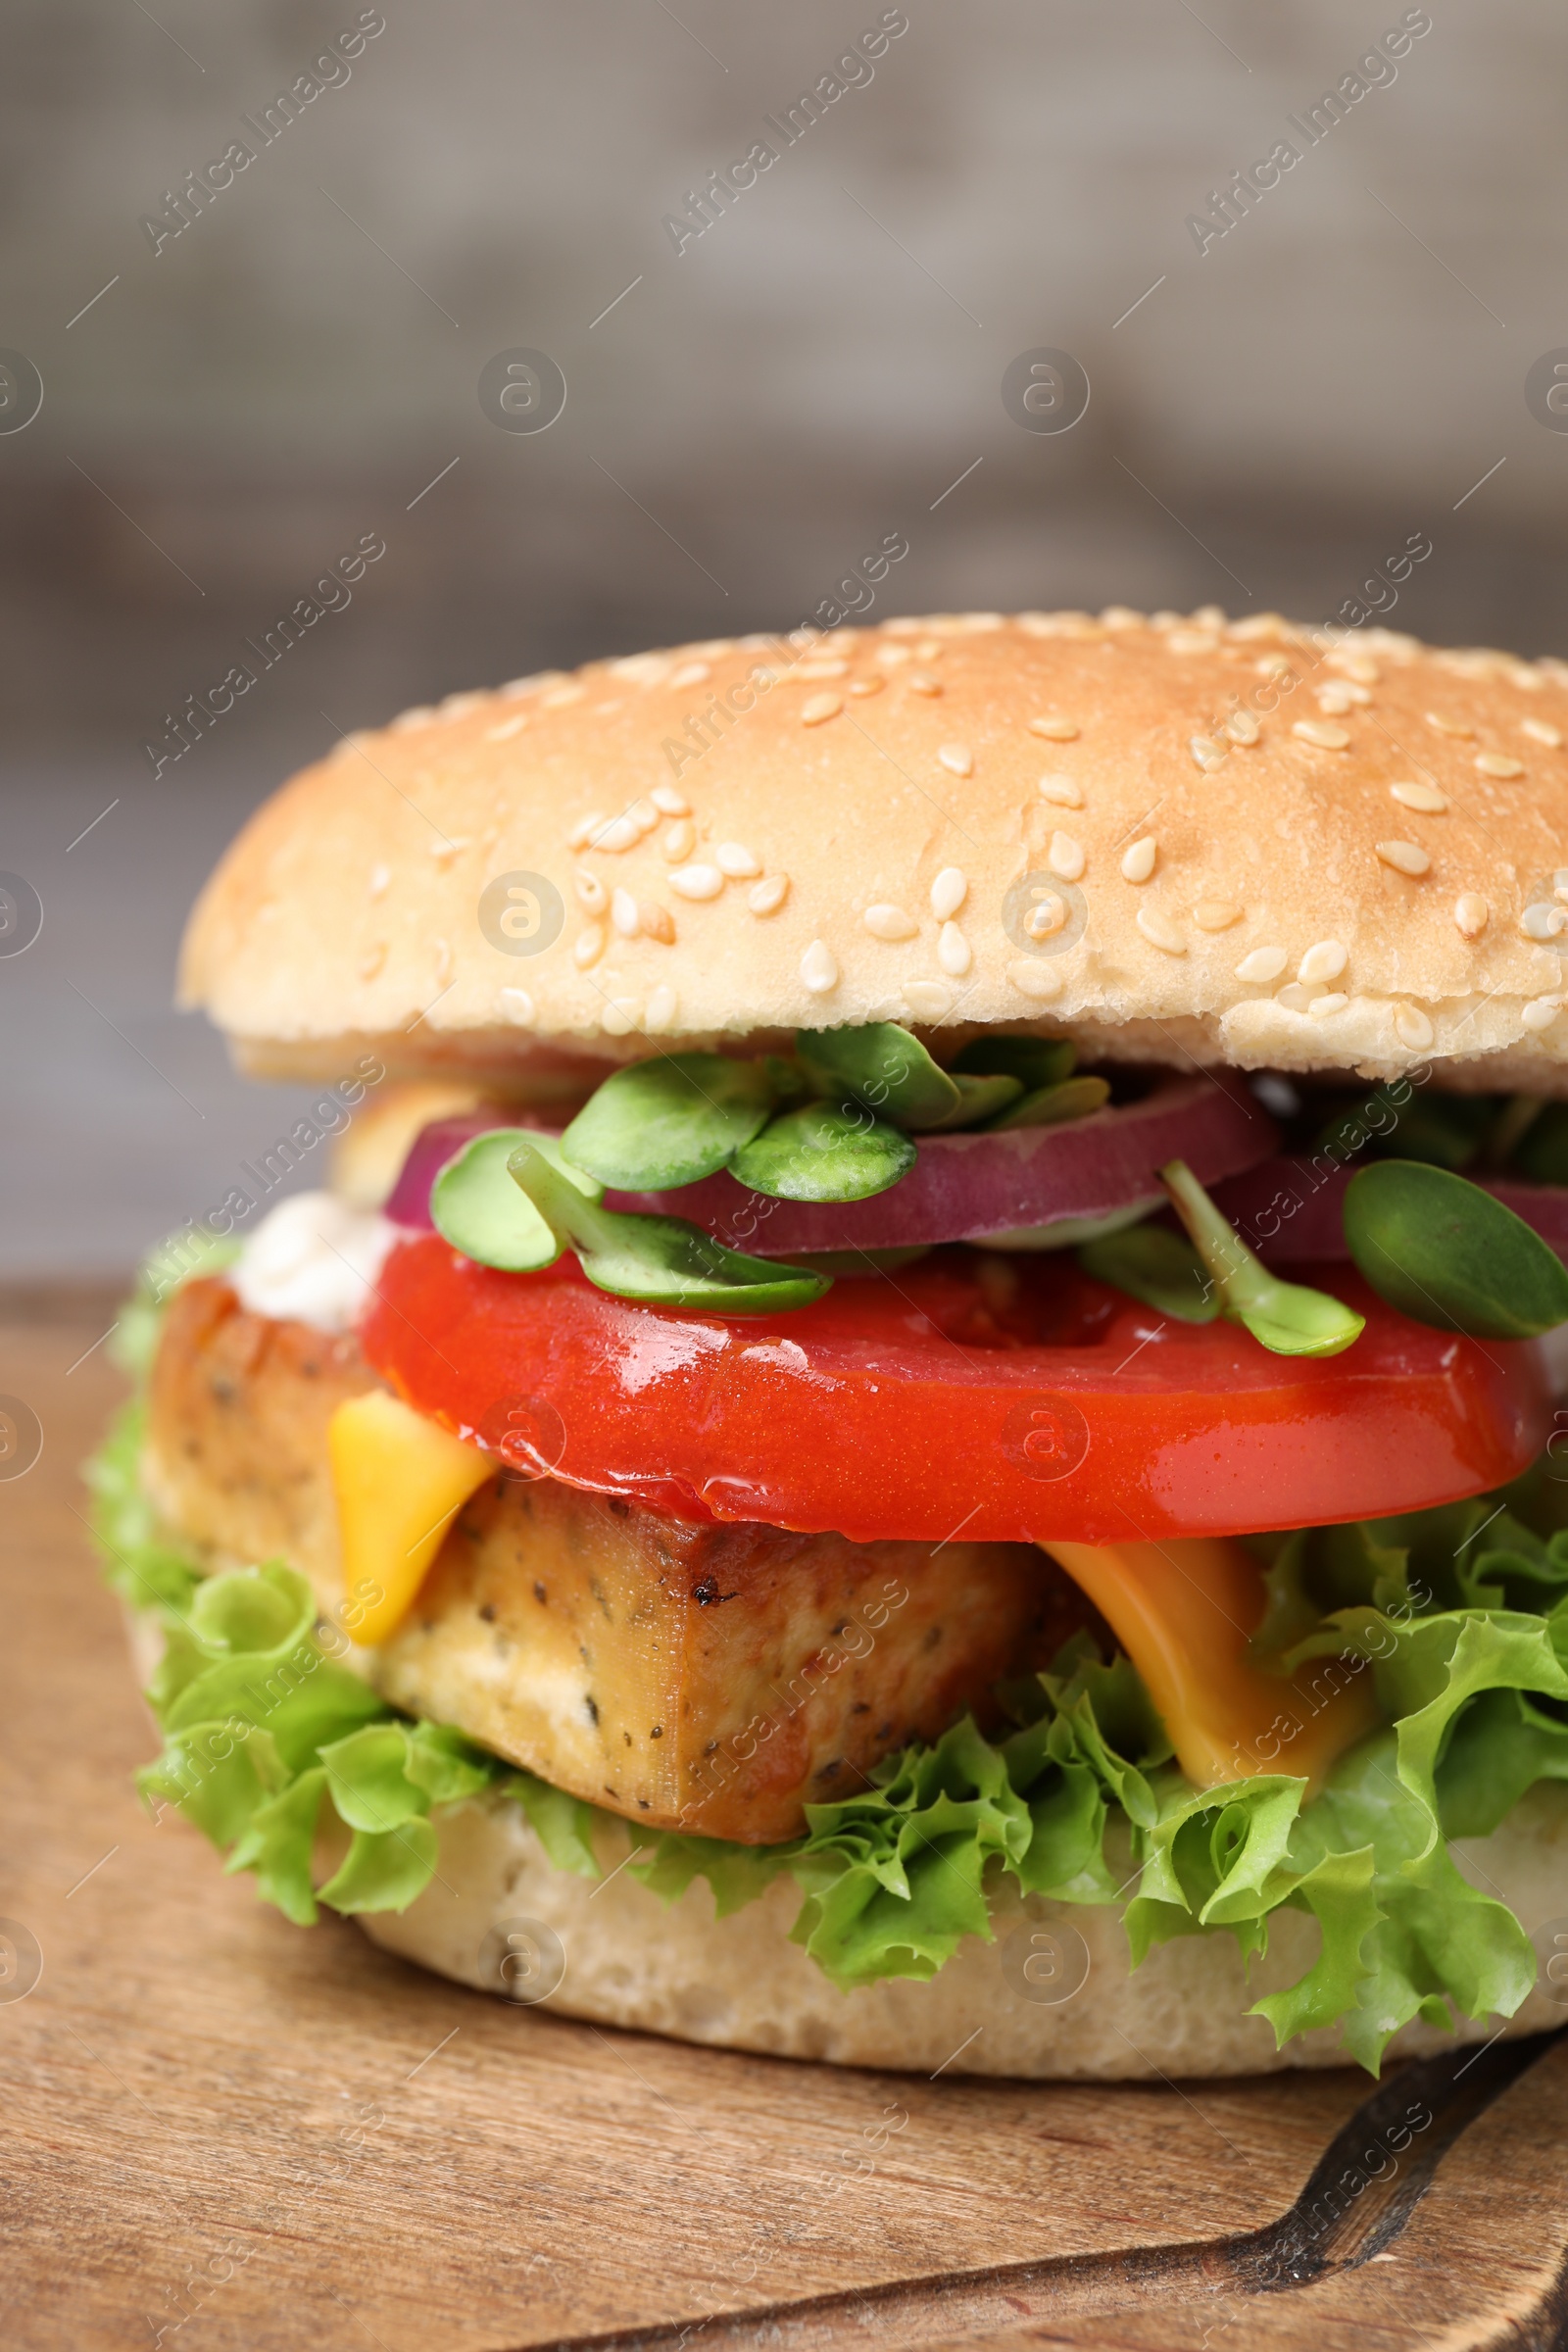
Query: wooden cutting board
222	2132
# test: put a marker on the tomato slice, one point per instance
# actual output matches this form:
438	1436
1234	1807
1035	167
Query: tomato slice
1006	1399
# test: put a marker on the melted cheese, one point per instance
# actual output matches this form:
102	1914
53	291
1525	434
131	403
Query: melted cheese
398	1480
1185	1612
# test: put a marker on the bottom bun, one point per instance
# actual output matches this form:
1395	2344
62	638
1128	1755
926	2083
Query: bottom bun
1052	1997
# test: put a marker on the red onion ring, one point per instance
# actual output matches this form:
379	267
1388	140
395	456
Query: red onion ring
1292	1214
961	1188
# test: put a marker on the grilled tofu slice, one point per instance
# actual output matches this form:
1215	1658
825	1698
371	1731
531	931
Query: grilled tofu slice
706	1676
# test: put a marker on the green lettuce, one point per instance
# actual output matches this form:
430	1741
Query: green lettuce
303	1775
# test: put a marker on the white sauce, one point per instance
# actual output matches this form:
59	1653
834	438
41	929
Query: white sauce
314	1260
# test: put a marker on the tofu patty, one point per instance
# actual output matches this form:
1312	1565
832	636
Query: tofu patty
709	1677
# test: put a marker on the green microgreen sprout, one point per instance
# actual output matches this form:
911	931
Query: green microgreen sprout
1284	1317
1156	1267
671	1121
476	1205
824	1151
659	1262
884	1067
1444	1253
1053	1105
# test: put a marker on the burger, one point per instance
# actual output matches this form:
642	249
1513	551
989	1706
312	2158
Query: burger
908	1415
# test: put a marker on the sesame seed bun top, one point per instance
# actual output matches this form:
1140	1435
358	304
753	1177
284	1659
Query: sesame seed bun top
1178	839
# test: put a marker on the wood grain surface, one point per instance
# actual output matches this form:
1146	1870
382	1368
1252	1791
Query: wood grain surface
233	2135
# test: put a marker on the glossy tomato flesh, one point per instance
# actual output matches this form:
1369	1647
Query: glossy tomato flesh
1002	1398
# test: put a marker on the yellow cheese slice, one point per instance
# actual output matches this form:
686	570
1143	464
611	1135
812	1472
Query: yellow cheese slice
1185	1612
400	1480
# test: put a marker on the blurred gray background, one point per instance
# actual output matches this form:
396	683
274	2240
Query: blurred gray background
223	417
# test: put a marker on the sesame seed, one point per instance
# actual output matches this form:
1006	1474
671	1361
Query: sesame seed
560	696
1321	733
506	729
767	896
620	1017
1192	641
820	707
1120	617
819	968
1540	1013
885	921
1450	727
892	657
668	801
1405	857
1243	727
1205	751
1273	666
1261	965
347	745
371	960
1543	920
1355	665
1321	1007
656	922
947	893
696	881
1065	857
623	913
660	1013
1037	980
1339	696
867	685
832	668
1542	730
1295	998
1216	914
1424	798
956	758
616	833
733	859
927	1000
931	650
1138	860
1499	763
919	683
680	841
588	945
380	877
1210	617
1412	1028
638	669
1471	914
443	961
644	816
459	705
583	831
1159	931
1047	916
406	722
1055	730
444	851
589	892
520	1007
690	673
1325	961
952	952
1061	792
